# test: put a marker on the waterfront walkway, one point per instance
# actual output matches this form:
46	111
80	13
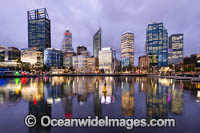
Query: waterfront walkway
177	77
72	74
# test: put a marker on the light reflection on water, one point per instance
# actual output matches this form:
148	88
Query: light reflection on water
72	97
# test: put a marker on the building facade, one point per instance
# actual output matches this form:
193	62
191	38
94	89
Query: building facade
127	49
67	42
35	58
82	50
157	44
97	43
144	62
53	57
92	65
175	52
80	63
12	54
107	63
2	53
67	59
39	29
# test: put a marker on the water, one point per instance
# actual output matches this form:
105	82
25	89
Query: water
78	97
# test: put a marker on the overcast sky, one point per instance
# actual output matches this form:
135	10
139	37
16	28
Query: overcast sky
84	17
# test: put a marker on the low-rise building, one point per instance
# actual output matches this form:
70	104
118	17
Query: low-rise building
35	58
80	63
2	53
106	60
12	54
92	65
53	57
67	59
144	62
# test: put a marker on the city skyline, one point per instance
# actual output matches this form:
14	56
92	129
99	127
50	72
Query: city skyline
84	22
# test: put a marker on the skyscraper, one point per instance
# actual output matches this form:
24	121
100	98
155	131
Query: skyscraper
97	43
175	49
67	42
39	29
157	44
127	49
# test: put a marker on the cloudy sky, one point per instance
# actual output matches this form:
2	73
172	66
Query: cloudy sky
84	17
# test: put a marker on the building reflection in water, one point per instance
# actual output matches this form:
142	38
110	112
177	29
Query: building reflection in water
97	102
68	97
81	89
176	103
163	98
157	100
10	90
144	84
33	92
198	97
127	97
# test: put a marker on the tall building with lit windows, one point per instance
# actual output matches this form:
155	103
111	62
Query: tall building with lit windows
97	43
175	52
39	29
67	42
127	49
157	44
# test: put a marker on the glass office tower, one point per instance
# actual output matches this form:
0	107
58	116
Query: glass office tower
175	49
157	44
39	31
97	43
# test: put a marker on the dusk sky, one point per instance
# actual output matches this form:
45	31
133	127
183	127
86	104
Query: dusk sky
83	18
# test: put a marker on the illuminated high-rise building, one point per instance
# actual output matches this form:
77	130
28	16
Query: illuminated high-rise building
175	53
97	43
127	49
39	29
157	44
67	42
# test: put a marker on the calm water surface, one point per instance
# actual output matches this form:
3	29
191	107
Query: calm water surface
78	97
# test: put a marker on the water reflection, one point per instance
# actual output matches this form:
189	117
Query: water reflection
127	96
104	95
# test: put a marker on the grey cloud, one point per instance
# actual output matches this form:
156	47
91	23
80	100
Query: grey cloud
84	17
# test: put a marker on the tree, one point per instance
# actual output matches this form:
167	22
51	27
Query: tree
102	70
46	68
